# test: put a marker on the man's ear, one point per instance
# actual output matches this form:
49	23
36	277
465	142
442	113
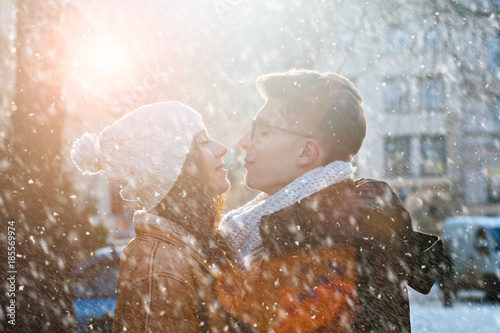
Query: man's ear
310	154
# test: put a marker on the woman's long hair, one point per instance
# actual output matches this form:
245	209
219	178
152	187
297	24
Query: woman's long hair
190	205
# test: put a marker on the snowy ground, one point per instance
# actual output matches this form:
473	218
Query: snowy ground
469	313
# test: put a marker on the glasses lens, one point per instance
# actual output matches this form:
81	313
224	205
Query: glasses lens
261	133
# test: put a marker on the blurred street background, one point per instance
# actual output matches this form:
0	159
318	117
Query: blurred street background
470	313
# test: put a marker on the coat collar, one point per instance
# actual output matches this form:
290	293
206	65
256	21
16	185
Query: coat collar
154	226
350	211
322	219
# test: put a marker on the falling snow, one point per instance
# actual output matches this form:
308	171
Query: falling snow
429	73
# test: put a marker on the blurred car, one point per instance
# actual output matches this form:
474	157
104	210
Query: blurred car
474	249
95	290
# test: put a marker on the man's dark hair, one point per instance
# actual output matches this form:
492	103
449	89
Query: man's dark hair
327	102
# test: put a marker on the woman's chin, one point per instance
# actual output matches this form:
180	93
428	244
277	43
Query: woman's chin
221	188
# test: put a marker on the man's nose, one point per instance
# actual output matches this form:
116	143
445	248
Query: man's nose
244	141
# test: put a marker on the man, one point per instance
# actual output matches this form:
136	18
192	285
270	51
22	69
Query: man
317	250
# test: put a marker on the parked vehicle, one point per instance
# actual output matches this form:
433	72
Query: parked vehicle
95	290
473	243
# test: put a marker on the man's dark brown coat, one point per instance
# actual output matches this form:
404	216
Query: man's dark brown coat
390	255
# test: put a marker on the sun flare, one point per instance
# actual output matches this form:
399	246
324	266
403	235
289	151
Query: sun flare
103	57
102	60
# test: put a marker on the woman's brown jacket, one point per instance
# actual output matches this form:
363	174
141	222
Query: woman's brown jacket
165	284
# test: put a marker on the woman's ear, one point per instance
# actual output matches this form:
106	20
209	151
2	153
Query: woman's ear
310	154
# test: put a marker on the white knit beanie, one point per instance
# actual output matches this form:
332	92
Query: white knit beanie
143	152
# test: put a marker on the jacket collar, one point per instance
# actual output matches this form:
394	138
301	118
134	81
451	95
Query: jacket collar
350	211
321	219
154	226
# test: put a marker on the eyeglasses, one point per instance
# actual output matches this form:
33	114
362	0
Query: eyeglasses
256	123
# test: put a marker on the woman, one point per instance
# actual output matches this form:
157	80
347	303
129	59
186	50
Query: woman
161	155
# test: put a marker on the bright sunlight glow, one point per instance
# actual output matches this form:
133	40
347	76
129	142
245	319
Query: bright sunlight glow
104	57
102	60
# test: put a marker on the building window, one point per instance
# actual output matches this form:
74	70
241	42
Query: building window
477	3
493	179
495	111
495	53
433	155
432	39
398	39
477	115
396	97
431	94
397	150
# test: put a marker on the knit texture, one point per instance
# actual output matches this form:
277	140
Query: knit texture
142	152
240	227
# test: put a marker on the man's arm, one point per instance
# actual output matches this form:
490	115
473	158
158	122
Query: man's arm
416	254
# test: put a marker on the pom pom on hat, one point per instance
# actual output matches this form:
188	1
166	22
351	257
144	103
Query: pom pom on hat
85	153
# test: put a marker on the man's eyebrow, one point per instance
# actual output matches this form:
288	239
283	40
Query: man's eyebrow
202	134
262	120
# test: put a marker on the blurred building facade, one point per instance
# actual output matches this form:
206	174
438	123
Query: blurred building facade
430	76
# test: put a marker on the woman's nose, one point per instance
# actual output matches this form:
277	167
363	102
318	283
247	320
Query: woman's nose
221	149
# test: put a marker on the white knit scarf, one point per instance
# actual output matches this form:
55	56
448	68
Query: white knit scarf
240	227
